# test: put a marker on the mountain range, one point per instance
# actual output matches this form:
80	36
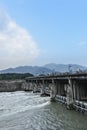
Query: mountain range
46	69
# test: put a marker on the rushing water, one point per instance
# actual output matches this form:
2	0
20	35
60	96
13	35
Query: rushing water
28	111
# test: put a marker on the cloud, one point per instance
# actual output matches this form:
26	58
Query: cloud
17	46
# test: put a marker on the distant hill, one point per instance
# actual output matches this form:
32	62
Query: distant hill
46	69
65	67
35	70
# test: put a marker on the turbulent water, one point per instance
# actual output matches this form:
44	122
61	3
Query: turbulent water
28	111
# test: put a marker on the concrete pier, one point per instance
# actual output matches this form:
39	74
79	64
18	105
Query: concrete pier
69	95
53	91
42	88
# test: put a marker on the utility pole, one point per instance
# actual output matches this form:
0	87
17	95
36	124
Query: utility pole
69	68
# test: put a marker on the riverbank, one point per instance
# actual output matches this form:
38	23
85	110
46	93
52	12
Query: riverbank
12	85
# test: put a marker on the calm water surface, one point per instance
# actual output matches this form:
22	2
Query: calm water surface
28	111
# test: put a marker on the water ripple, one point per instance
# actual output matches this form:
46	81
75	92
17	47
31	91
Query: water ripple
28	111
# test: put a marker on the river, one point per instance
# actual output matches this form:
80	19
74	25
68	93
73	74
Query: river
29	111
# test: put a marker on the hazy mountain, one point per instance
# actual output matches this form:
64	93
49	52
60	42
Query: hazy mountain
64	67
46	69
35	70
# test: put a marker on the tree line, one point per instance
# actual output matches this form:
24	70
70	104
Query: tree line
14	76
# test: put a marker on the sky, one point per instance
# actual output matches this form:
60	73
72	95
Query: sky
38	32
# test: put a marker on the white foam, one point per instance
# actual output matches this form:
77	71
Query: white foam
20	102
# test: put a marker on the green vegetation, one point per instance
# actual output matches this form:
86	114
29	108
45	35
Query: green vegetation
14	76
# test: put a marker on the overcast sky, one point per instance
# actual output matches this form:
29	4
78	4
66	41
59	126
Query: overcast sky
37	32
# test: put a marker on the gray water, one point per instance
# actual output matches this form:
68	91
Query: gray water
28	111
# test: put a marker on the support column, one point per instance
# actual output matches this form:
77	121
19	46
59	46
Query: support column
39	87
35	88
69	95
74	90
58	89
53	91
78	94
42	88
30	86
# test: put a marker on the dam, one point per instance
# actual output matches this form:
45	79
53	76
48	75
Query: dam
69	89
